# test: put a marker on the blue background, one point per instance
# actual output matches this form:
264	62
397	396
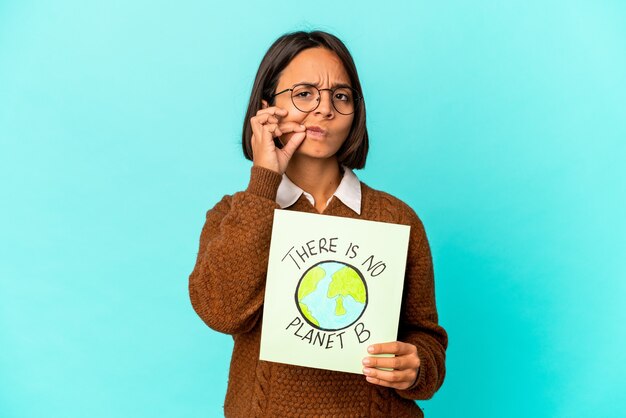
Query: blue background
501	123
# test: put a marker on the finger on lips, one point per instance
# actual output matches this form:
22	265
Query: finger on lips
266	126
283	128
291	127
268	120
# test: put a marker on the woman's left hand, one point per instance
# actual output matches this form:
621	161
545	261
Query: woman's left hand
405	365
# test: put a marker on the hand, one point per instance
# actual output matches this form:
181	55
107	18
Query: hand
405	365
265	126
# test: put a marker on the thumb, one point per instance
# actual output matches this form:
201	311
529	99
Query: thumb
293	143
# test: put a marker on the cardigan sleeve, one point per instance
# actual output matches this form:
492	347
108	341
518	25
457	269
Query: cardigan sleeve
418	319
227	284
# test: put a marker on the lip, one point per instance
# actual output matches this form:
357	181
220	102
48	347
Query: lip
315	131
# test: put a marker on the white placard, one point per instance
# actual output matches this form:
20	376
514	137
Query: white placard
334	286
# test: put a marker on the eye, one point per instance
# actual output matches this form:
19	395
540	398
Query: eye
304	92
343	94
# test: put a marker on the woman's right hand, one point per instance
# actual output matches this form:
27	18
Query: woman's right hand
265	127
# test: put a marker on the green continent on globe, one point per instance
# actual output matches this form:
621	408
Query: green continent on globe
309	281
347	282
308	284
339	308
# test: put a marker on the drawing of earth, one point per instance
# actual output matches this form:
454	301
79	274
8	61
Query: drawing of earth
331	295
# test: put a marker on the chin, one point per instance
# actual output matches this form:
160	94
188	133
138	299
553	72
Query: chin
316	150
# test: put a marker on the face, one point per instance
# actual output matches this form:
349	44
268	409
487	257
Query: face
324	69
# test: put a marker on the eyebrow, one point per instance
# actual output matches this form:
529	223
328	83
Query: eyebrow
334	85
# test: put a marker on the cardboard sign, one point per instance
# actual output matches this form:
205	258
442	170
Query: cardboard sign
334	286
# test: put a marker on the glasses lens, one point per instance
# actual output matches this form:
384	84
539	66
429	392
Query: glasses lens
343	99
305	97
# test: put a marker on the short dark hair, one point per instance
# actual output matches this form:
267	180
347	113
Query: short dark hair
353	152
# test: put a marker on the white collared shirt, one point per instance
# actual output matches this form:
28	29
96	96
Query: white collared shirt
348	191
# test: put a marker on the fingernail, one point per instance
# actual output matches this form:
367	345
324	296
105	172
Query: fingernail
366	371
302	126
366	361
370	349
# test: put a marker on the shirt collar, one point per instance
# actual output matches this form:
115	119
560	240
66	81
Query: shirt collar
349	192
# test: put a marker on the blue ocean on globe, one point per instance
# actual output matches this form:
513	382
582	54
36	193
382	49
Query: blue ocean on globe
323	308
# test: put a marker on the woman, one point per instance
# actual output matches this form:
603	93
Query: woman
305	132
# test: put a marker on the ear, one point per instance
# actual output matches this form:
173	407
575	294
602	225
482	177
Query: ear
264	104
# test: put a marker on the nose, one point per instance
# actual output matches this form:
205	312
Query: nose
325	106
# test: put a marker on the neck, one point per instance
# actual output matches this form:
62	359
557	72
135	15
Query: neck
319	177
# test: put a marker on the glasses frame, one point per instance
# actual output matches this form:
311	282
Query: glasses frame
357	97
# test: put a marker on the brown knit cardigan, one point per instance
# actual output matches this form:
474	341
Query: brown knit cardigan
227	286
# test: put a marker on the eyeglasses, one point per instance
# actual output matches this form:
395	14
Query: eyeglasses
306	98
